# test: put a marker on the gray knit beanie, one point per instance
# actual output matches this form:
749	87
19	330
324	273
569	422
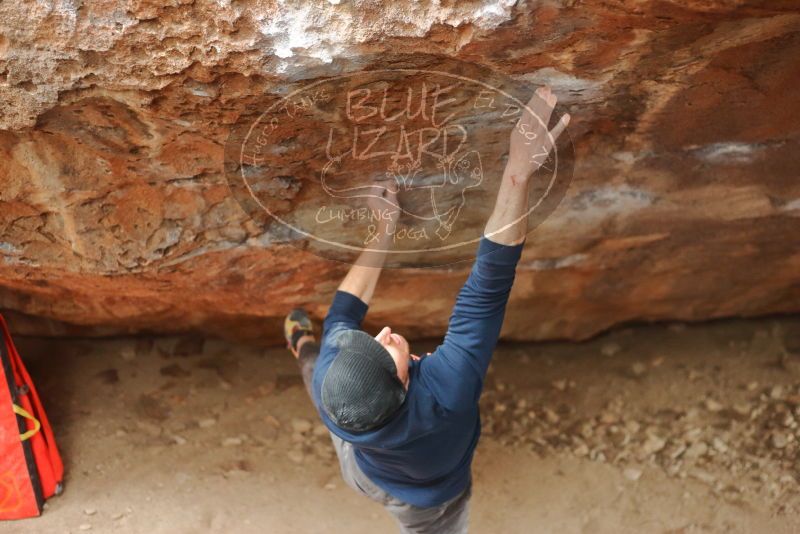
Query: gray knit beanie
361	390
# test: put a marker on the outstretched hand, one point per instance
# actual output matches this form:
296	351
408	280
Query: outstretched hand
531	142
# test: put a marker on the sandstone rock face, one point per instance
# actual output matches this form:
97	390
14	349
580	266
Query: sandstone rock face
118	214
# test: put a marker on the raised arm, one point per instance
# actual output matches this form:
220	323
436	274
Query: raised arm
362	277
456	371
350	303
530	145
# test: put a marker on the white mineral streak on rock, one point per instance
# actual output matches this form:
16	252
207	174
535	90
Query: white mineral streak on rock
325	31
568	88
547	264
730	152
605	201
35	67
793	205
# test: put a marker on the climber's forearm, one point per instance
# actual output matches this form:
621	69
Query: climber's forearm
508	223
363	276
531	142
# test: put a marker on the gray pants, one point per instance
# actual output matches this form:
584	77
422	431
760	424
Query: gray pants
450	517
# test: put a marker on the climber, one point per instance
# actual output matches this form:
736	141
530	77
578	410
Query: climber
405	427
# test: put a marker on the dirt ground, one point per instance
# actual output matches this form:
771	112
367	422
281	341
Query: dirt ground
663	428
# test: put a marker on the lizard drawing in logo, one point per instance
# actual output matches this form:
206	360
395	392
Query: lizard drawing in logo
448	183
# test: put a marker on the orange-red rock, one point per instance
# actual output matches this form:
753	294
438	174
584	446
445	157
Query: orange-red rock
116	216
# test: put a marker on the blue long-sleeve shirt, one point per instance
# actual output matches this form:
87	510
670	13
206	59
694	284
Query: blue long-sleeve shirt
422	455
